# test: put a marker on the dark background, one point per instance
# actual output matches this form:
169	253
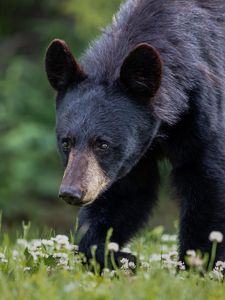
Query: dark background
30	168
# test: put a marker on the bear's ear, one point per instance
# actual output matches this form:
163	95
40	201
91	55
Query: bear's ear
61	67
141	71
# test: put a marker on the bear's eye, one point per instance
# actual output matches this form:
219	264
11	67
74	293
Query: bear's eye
102	145
66	144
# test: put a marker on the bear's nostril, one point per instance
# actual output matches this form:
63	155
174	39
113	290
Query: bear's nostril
71	195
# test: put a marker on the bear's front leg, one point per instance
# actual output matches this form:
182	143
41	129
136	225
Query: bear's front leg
201	186
125	208
94	224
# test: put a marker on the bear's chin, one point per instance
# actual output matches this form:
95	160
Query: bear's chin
73	202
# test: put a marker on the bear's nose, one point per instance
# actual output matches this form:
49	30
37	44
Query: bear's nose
71	195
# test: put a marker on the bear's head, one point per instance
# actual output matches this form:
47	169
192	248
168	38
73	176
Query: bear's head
103	128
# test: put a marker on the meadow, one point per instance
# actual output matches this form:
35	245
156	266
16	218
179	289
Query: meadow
43	263
50	268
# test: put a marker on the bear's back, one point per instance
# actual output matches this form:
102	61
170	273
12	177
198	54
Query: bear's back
189	36
158	22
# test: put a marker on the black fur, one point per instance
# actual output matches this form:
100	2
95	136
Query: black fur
188	110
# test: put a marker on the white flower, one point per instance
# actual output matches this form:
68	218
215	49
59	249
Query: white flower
173	254
15	254
131	265
67	247
3	260
49	243
62	242
168	263
155	257
195	261
61	239
191	253
125	263
220	265
34	255
165	256
22	242
36	243
216	275
112	273
60	255
164	248
2	255
90	274
105	271
113	247
62	258
75	247
181	265
27	269
216	236
124	260
169	238
126	250
145	265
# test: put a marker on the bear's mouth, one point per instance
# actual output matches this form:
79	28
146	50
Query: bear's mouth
76	202
72	201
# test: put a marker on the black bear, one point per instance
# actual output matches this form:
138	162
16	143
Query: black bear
152	86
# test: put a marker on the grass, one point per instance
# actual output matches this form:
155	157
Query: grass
48	269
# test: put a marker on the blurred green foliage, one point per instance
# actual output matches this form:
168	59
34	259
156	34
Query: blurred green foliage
95	13
30	169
